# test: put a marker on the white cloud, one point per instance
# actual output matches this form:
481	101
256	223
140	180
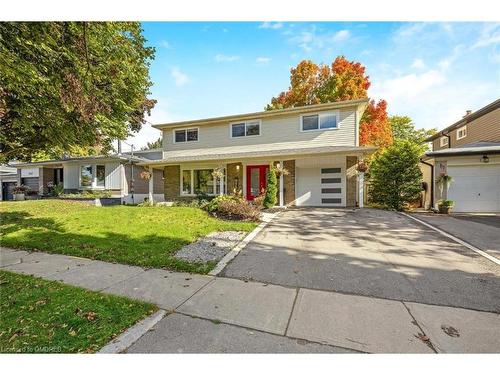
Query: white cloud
312	38
179	77
490	35
225	58
418	64
409	86
341	35
271	25
165	44
262	60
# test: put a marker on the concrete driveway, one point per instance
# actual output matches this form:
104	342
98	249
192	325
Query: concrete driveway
368	252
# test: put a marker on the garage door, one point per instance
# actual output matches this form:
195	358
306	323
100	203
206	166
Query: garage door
475	188
321	186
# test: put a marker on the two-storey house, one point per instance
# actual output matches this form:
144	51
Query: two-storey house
469	152
317	146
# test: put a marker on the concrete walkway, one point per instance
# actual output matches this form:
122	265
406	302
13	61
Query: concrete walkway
213	314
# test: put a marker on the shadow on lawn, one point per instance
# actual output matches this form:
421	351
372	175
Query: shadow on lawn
20	229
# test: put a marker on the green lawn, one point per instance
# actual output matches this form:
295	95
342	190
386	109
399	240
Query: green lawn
142	236
39	316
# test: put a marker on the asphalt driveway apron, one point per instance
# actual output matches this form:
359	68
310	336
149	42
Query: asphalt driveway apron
368	252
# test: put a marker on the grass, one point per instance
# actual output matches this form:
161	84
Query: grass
39	316
142	236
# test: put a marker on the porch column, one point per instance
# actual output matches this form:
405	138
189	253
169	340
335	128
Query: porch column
221	182
361	189
151	184
281	185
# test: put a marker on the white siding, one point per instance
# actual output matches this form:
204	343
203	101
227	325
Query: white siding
71	176
113	176
273	130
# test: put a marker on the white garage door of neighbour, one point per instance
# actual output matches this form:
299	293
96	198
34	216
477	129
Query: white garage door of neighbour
322	186
475	188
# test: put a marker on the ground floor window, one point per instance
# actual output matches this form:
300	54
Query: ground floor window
201	182
92	176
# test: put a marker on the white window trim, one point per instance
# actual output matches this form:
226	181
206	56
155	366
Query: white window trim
336	113
93	185
462	128
191	169
246	123
443	141
186	129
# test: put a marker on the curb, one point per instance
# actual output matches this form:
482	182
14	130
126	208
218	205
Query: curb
132	334
236	250
456	239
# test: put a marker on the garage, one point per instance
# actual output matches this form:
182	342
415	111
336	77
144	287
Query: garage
321	182
475	188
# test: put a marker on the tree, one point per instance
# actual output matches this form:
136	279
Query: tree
271	188
152	145
402	128
71	84
394	175
342	80
374	127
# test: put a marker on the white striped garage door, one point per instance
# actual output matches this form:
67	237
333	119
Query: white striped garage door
322	185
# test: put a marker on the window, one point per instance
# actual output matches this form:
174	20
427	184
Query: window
186	135
443	141
201	182
86	175
245	129
100	175
462	132
319	121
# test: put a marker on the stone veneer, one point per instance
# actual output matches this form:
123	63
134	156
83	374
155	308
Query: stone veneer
289	182
172	182
351	177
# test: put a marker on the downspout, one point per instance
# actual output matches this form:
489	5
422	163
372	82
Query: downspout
432	182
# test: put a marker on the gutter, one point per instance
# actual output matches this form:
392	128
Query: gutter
432	181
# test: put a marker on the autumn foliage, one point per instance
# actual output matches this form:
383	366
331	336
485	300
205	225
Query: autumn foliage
311	83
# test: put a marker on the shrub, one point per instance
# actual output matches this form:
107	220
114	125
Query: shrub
395	178
271	188
199	202
57	190
20	189
446	203
213	205
259	201
237	210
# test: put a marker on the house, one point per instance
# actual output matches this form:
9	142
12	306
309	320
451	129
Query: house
118	174
8	180
469	152
318	146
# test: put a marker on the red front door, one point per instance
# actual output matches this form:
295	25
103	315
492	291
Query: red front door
256	180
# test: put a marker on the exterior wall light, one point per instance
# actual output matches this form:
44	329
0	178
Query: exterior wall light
485	159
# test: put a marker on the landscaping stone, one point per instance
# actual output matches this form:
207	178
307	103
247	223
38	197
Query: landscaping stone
212	247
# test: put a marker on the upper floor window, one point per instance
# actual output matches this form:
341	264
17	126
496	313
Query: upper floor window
245	129
462	132
185	135
319	121
443	141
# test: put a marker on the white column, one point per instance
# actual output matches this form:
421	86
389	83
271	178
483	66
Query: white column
151	185
361	189
281	201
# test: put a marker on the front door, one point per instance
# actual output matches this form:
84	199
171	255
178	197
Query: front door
256	180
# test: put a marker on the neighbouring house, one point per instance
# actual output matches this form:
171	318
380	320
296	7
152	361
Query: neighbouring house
469	152
317	145
8	180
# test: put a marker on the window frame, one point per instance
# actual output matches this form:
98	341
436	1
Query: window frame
464	128
335	113
441	139
93	182
191	174
246	122
186	130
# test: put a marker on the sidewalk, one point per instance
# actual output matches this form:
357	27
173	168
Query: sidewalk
214	314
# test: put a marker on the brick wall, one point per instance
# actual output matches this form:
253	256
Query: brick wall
289	182
232	174
172	182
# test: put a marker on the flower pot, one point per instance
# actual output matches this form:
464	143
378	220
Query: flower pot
445	209
19	197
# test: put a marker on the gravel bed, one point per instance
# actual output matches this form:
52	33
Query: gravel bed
212	247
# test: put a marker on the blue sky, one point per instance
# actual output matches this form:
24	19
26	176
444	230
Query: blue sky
432	72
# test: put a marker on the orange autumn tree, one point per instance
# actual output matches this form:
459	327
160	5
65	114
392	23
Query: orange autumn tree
311	83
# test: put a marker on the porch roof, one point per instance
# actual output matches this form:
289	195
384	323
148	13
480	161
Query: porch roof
96	158
283	149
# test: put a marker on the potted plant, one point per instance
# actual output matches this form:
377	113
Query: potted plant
445	206
362	167
19	192
145	175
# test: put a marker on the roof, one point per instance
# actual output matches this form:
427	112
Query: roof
83	158
254	151
277	112
474	115
476	148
